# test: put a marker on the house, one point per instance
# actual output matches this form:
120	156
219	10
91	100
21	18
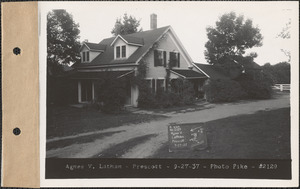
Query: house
120	56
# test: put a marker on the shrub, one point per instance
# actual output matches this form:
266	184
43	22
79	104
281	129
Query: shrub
167	99
181	93
146	98
223	91
258	87
185	90
61	90
111	95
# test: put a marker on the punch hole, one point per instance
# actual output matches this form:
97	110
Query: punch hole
17	131
17	51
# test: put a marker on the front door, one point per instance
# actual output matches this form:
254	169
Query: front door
86	91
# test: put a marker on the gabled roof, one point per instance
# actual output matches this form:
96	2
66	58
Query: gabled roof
211	71
188	74
107	57
94	46
129	40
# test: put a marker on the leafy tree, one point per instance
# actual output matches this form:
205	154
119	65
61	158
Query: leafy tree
230	38
62	40
286	34
286	31
126	25
280	73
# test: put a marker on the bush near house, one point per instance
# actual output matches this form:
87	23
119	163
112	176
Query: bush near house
256	87
181	93
146	98
225	90
60	91
111	95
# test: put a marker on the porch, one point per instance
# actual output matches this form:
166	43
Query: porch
88	85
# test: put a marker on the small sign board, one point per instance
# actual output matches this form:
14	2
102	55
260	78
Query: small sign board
189	136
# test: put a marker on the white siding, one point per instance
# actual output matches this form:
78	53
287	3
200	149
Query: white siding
167	44
130	49
93	54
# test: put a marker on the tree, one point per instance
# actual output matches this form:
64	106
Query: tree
62	40
126	25
286	31
229	39
286	34
280	73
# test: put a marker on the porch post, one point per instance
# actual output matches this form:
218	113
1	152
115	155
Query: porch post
93	90
79	91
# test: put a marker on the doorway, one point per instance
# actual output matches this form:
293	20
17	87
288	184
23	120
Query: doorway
86	91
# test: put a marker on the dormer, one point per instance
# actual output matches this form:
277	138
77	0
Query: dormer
125	46
89	51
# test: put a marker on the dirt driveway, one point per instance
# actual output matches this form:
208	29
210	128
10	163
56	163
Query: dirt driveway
143	140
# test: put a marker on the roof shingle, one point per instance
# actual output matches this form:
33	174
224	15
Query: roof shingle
211	71
189	74
95	46
107	57
133	40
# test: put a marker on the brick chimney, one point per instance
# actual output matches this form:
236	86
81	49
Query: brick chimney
153	21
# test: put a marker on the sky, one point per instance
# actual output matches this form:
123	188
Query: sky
189	21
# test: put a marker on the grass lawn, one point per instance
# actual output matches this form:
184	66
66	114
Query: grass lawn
66	121
263	135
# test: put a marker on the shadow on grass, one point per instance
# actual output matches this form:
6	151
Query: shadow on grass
263	135
78	140
67	121
120	149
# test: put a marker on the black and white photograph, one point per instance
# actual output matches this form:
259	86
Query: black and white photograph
139	86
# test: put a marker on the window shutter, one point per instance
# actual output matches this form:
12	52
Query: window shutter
156	60
165	59
153	86
87	56
172	60
178	60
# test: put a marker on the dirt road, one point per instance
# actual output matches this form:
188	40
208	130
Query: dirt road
142	140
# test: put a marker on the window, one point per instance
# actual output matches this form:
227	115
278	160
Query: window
175	59
123	51
118	52
160	85
87	56
159	58
83	56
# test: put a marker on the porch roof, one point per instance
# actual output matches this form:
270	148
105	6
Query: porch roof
101	74
188	74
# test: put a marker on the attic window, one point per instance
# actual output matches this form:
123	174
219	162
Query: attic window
121	51
118	51
85	56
